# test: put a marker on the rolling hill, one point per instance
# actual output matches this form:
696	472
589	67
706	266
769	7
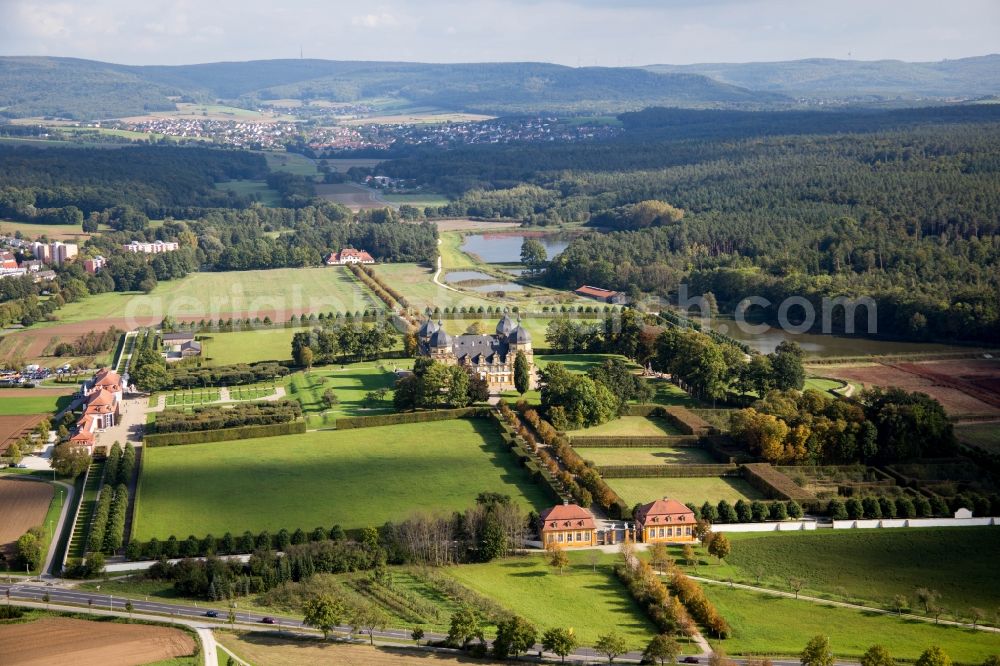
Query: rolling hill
856	79
83	89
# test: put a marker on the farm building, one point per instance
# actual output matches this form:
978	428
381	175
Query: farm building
349	255
603	295
178	346
665	520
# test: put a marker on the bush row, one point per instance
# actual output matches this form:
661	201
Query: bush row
114	535
666	471
295	321
217	417
352	422
666	612
386	294
228	544
224	435
542	466
635	442
588	481
775	485
99	521
227	375
701	609
689	422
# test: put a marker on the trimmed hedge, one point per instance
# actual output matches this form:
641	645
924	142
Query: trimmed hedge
666	471
352	422
775	485
224	435
687	421
637	442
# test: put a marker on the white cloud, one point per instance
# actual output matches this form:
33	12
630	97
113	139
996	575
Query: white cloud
380	20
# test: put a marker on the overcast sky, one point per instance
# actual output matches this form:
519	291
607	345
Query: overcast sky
570	32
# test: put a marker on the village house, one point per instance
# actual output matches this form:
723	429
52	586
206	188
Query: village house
665	521
102	397
568	525
156	247
349	255
491	357
603	295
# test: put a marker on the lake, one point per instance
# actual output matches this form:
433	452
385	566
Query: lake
506	248
818	345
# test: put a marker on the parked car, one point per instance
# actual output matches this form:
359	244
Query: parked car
211	613
689	660
268	620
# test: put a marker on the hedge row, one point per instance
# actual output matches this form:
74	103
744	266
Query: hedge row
225	435
99	522
217	417
703	610
775	485
689	422
667	471
649	591
637	442
542	466
352	422
386	294
226	375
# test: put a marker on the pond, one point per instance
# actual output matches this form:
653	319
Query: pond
462	276
819	345
506	248
498	286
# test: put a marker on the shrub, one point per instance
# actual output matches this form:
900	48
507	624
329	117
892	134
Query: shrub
228	434
352	422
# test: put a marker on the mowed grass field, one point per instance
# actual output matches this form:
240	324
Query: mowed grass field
257	189
874	565
770	625
984	435
697	490
277	293
248	346
355	478
63	232
592	602
415	283
630	426
33	404
662	455
349	383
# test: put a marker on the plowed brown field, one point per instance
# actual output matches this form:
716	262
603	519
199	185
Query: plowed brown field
23	505
83	643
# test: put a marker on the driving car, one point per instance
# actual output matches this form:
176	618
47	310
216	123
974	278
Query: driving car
268	620
689	660
211	613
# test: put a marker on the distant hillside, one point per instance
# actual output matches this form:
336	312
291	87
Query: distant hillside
856	79
83	89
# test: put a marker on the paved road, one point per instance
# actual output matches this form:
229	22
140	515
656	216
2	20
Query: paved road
194	616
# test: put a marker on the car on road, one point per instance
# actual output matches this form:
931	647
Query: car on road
689	660
268	620
211	613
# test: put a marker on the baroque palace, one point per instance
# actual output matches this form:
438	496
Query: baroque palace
489	356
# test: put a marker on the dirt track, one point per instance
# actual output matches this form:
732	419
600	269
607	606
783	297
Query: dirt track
23	505
85	643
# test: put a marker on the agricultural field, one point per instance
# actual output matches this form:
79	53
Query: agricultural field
256	189
266	648
630	426
589	601
24	503
62	640
418	199
661	455
277	293
326	478
984	435
63	232
766	624
14	427
696	490
352	195
299	165
351	384
19	402
962	386
872	566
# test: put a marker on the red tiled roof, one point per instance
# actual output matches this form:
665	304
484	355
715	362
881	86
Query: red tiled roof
566	517
658	511
596	292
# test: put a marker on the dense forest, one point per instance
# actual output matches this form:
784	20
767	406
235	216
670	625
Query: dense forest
902	207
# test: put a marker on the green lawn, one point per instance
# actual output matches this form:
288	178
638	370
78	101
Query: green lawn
824	384
769	625
874	565
31	230
630	426
984	435
697	490
275	293
257	189
355	478
667	393
273	344
663	455
290	163
33	404
415	283
349	383
592	602
190	397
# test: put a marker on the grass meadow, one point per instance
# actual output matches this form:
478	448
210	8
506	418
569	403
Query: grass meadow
770	625
33	404
661	455
873	566
697	489
984	435
630	426
257	189
349	383
355	478
590	601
